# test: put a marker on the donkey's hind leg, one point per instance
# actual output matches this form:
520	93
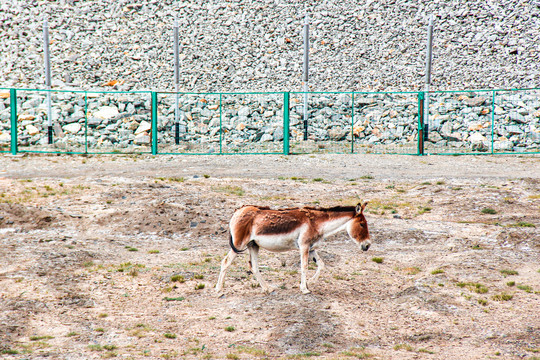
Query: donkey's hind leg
313	255
225	263
254	261
304	259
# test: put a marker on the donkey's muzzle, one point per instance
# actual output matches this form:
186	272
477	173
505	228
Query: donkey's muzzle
365	247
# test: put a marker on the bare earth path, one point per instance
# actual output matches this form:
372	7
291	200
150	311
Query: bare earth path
116	256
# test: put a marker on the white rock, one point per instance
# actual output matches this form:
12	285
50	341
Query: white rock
244	111
72	128
5	138
505	145
106	112
143	127
141	139
32	130
499	110
477	138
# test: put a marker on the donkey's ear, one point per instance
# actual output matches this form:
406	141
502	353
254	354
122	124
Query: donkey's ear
360	208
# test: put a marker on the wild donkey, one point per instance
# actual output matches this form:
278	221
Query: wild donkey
255	227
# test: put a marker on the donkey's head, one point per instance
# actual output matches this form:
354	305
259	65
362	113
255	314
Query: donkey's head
358	228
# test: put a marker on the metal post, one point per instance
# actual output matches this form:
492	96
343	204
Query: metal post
154	123
47	61
85	122
352	123
492	121
306	74
429	57
176	80
220	124
13	110
421	134
286	149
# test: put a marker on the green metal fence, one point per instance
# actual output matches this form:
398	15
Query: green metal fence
445	122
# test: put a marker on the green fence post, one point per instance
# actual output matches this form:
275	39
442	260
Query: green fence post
286	150
154	124
13	110
420	123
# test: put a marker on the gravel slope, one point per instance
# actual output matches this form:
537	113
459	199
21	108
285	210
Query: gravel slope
247	46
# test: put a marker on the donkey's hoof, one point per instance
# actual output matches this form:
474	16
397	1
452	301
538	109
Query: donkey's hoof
306	291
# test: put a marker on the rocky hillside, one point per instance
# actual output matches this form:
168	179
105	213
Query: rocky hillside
242	45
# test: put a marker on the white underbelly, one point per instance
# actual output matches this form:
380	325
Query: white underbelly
278	243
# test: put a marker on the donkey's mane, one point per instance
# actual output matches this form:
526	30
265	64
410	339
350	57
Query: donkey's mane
333	209
315	208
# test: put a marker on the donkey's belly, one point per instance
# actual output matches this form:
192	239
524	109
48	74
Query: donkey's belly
277	242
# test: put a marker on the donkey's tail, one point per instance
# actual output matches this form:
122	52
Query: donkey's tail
233	247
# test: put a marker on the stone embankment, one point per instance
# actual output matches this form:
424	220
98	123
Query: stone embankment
459	122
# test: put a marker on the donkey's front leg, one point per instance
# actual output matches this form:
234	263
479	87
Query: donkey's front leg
304	257
320	266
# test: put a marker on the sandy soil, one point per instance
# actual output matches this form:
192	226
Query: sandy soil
117	256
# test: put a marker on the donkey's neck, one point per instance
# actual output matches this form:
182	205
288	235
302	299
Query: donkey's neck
334	225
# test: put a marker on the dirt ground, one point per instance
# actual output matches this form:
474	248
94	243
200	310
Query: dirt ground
117	256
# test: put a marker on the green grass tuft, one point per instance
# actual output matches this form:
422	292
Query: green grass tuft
37	338
403	347
178	278
412	270
525	288
477	288
199	286
502	297
522	224
9	352
229	189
